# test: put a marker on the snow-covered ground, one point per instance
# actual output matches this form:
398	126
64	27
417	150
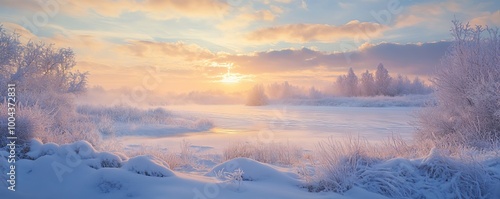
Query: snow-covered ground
77	170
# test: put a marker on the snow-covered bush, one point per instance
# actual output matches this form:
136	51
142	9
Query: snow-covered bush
468	90
109	160
235	177
35	122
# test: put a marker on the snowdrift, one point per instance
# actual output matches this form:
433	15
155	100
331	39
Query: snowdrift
255	171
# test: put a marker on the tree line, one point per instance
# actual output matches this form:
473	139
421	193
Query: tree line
349	85
380	83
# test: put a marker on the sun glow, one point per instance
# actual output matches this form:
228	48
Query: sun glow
230	78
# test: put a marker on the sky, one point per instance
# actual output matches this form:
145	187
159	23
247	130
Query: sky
230	45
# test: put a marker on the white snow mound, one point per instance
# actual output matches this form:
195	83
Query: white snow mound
148	166
255	171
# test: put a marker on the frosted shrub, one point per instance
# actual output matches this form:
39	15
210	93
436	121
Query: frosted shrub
30	122
468	90
175	159
339	161
105	126
235	177
273	153
157	115
462	178
387	169
126	114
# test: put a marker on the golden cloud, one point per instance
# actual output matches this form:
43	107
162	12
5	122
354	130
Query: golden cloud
491	19
301	33
145	49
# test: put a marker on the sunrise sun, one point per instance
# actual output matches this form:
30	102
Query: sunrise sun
228	77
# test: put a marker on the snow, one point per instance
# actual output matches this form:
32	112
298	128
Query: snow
139	177
70	171
255	171
148	166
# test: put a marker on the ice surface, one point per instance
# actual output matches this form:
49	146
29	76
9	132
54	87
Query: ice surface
304	125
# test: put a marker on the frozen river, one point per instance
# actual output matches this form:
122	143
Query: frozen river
302	125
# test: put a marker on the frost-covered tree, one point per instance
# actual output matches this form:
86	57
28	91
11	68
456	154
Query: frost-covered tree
468	90
400	86
419	87
341	84
45	84
382	80
284	91
256	96
351	83
314	93
367	84
381	84
37	68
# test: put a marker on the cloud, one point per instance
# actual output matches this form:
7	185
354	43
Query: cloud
244	19
434	14
491	19
161	9
416	59
301	33
408	20
410	59
151	49
276	9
